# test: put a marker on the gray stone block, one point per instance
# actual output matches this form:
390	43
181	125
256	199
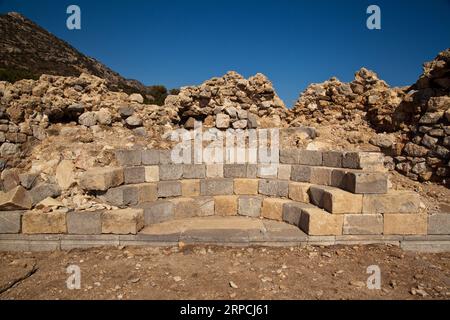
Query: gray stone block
332	159
274	188
150	157
170	172
338	178
129	157
366	182
165	156
216	187
240	170
169	189
292	212
437	223
250	206
350	160
84	222
310	158
122	196
44	190
289	156
194	171
134	175
157	212
10	221
301	173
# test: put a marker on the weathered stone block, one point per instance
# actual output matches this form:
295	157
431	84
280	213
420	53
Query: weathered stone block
152	174
250	206
215	187
246	186
298	191
150	157
269	171
157	212
225	205
404	224
239	170
340	202
273	208
169	189
43	191
194	171
205	205
101	179
147	192
292	212
122	196
84	222
190	188
289	156
185	208
321	176
366	182
332	159
129	157
301	173
165	156
337	178
125	221
284	171
274	188
350	160
317	222
44	223
134	175
15	199
170	172
371	161
363	224
214	171
310	158
392	202
10	221
437	223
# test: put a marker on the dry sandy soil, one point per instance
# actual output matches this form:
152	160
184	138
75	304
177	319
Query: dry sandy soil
186	272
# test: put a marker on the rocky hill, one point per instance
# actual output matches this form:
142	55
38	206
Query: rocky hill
28	51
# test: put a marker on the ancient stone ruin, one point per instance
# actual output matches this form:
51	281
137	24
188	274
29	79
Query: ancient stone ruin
84	166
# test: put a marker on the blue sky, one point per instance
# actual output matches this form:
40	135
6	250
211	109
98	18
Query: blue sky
293	42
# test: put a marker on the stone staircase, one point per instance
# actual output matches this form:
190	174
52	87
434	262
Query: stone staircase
308	197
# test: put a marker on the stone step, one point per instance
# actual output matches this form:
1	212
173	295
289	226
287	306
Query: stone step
238	230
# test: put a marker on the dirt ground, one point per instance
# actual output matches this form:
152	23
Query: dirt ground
338	272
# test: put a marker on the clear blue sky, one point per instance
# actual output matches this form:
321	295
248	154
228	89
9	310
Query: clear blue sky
295	43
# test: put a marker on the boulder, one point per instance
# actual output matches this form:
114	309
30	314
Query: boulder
101	179
16	199
65	174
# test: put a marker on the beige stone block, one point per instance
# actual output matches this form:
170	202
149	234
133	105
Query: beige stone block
392	202
190	187
151	173
185	208
339	201
124	221
284	171
298	191
226	205
147	192
246	186
272	208
317	222
405	224
44	223
101	179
